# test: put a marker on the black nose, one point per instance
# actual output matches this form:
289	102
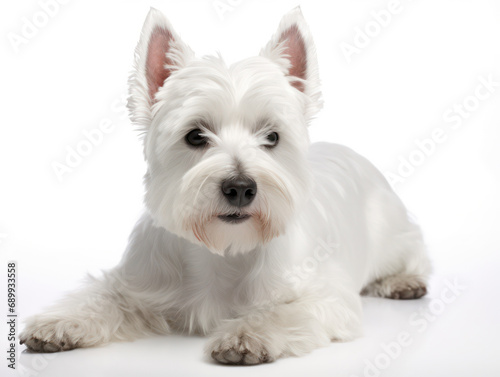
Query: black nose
239	191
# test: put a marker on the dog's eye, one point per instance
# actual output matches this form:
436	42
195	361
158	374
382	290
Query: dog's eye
196	139
272	139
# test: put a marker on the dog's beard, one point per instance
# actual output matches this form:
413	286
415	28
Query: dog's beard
261	223
223	238
202	210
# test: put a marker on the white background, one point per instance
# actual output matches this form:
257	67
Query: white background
72	75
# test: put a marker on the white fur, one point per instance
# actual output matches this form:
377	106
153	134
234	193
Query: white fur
325	224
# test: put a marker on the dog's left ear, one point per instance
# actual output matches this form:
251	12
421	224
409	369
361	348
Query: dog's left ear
159	53
292	48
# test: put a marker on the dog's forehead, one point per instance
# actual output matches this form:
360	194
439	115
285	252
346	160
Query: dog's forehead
249	90
257	74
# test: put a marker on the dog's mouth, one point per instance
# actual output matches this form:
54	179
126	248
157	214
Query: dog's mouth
234	218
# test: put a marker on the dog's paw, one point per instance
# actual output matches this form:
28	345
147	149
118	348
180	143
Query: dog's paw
409	291
241	349
397	287
51	335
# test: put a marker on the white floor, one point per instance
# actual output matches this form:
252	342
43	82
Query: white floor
454	331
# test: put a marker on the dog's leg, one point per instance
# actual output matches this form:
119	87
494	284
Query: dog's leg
399	263
403	272
102	311
294	328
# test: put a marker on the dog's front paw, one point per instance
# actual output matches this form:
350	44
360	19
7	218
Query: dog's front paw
239	349
52	335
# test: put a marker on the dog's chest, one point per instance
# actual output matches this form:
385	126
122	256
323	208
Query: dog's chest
215	288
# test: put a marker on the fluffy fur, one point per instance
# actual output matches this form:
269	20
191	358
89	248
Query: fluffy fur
323	227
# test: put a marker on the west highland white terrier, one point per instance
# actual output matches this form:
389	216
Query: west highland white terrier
251	234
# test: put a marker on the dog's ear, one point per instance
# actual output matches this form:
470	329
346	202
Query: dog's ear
292	48
158	54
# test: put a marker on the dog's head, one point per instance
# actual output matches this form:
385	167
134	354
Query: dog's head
225	145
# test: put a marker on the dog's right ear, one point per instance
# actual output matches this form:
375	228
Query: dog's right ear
159	53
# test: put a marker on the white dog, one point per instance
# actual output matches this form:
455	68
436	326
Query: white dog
251	234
